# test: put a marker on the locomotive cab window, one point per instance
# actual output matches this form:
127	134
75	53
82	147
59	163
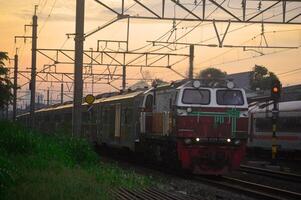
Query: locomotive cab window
196	96
229	97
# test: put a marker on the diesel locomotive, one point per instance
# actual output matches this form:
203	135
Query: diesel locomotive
200	125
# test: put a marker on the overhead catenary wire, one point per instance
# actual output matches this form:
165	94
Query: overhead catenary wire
48	16
248	58
184	36
208	60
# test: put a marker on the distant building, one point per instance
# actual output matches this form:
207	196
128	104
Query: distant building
241	79
291	93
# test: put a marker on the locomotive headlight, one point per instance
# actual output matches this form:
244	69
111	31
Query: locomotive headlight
187	141
196	84
229	140
197	139
230	85
189	110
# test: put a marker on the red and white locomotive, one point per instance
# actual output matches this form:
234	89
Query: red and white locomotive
201	125
204	123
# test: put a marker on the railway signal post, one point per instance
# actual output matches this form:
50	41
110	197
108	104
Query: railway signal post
275	95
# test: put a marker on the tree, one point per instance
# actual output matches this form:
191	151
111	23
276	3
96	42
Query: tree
212	73
261	78
5	84
160	81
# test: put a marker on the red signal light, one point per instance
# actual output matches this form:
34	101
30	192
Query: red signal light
275	90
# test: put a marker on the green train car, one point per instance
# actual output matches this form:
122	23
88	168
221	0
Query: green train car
199	125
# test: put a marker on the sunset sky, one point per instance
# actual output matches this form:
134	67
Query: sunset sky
57	17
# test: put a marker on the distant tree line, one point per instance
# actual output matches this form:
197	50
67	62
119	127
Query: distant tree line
260	77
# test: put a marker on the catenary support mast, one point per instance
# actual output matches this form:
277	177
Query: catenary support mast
191	58
33	67
15	86
78	68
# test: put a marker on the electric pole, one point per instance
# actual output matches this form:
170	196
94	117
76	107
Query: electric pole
48	97
191	58
62	93
123	75
15	86
33	67
78	68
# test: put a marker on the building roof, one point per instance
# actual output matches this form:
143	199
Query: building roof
241	79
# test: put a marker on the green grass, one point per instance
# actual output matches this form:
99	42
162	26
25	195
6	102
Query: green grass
37	166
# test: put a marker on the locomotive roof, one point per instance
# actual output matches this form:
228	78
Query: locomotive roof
55	108
205	83
112	98
119	97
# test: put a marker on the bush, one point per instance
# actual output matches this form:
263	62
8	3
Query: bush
35	166
6	174
15	140
80	151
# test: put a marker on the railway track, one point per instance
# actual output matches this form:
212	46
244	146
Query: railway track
295	178
251	189
148	194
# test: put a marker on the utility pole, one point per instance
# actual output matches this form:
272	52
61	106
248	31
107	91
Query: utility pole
33	67
191	58
123	78
48	97
15	86
123	75
62	93
78	68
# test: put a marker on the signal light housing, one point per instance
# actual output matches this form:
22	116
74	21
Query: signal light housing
275	90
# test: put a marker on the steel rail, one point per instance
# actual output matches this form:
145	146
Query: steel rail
252	189
271	173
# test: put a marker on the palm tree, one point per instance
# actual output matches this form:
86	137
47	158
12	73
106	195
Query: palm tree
3	56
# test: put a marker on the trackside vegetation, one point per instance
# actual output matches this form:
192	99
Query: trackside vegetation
39	166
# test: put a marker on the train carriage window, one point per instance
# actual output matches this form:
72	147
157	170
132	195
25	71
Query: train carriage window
105	115
263	125
229	97
126	115
149	103
289	124
196	96
284	124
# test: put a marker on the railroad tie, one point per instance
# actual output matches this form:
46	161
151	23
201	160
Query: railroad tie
148	194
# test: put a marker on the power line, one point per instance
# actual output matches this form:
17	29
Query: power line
289	72
248	58
46	20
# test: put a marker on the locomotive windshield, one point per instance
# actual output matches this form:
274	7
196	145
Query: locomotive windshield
229	97
196	96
